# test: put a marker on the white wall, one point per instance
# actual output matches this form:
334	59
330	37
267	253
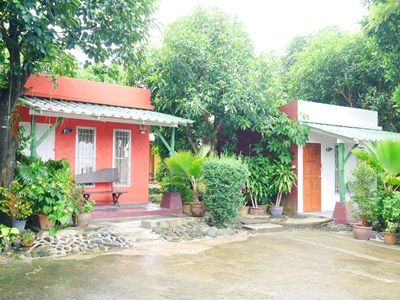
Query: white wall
337	115
328	194
46	150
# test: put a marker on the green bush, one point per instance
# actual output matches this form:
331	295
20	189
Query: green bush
365	193
224	178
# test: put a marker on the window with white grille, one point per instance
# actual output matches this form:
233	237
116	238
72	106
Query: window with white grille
85	150
122	156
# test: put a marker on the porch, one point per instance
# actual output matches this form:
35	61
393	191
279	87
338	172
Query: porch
108	212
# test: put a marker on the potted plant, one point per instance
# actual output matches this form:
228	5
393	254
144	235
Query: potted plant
283	181
82	211
13	202
258	184
391	214
390	234
364	197
28	238
48	185
187	167
7	236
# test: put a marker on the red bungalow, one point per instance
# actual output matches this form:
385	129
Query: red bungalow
97	126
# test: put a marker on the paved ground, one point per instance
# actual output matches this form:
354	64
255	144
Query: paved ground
299	264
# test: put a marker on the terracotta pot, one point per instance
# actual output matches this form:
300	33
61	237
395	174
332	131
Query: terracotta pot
84	220
197	209
44	222
390	238
257	211
244	210
186	208
276	211
362	232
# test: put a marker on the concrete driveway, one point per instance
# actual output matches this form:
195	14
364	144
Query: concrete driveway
301	264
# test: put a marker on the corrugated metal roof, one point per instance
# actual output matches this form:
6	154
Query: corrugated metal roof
99	112
354	133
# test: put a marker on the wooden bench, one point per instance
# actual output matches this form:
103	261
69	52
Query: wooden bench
109	175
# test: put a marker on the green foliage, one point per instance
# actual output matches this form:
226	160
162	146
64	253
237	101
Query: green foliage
100	72
27	237
383	156
207	71
391	211
187	167
224	179
283	179
258	184
364	193
48	186
14	202
7	236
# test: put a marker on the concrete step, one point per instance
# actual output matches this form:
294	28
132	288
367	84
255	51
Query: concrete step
167	222
263	227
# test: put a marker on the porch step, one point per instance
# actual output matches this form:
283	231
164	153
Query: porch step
107	212
263	227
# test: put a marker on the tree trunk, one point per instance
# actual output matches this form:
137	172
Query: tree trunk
8	143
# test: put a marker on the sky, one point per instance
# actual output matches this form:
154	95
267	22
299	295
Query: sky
270	23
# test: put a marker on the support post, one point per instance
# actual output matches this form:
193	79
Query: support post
172	149
341	161
33	147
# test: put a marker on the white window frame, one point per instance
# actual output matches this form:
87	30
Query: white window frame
116	184
76	150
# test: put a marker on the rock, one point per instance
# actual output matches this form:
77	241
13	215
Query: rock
225	231
212	231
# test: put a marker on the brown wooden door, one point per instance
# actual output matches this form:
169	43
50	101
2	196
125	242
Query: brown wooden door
312	177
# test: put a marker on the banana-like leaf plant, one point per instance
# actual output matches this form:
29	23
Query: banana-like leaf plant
384	157
283	181
187	167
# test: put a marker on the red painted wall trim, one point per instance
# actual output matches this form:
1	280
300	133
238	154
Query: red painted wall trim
88	91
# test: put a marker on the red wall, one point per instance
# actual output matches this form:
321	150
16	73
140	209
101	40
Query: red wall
65	148
291	110
73	89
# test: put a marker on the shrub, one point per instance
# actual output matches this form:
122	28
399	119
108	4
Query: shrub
224	179
364	193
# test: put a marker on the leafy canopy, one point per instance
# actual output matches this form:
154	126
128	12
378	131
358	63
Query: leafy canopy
207	71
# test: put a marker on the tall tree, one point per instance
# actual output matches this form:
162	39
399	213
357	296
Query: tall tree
38	31
344	69
207	71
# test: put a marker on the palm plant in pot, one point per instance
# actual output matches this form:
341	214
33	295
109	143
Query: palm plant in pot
365	199
14	203
187	167
383	158
283	180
